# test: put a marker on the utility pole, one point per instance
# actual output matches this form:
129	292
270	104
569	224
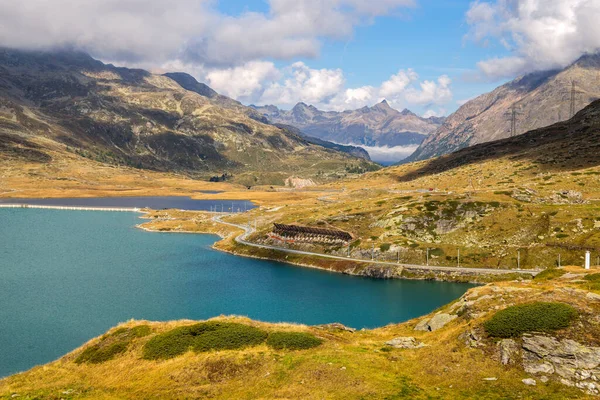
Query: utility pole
398	256
518	259
458	258
428	256
572	93
512	115
558	260
572	105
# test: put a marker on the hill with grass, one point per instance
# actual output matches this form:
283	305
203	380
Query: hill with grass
532	340
540	99
67	103
524	202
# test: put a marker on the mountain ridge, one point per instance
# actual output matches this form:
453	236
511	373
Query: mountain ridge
378	125
74	103
540	99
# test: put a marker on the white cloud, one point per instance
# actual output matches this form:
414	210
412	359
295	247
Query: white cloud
541	34
431	92
387	155
243	82
397	83
434	113
302	83
192	31
260	82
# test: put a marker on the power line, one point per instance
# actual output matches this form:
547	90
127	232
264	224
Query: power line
573	92
512	115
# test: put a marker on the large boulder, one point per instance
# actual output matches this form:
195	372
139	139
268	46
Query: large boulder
436	322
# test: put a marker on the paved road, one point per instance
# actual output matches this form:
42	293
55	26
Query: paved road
249	230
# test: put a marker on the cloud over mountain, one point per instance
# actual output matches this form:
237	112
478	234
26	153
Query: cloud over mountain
158	31
539	34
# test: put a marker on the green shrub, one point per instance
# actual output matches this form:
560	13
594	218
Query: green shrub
592	277
550	273
169	344
562	235
385	246
98	353
212	335
230	337
112	345
292	341
437	252
532	317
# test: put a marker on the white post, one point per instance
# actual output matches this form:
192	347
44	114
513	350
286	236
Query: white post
587	260
518	260
428	256
558	260
458	258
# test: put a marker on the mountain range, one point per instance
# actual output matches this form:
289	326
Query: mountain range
67	101
539	99
379	125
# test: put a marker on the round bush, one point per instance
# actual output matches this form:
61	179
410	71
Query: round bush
229	337
592	277
101	353
550	273
292	341
112	345
205	336
532	317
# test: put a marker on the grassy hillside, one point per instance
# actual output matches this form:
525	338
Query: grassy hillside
57	104
460	360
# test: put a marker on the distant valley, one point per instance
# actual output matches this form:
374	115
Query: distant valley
387	134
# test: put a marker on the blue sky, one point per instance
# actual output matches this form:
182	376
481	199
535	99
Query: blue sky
428	38
427	55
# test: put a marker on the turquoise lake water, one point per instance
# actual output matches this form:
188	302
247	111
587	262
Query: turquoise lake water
153	202
68	276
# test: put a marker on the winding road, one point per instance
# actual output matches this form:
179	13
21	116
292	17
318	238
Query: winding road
242	239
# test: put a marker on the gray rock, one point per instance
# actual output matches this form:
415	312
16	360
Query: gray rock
574	363
529	382
508	348
593	296
422	326
471	338
440	320
336	326
405	343
435	323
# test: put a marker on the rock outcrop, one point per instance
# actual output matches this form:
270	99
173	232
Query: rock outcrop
436	322
405	343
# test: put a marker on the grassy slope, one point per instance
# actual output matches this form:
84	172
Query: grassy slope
347	365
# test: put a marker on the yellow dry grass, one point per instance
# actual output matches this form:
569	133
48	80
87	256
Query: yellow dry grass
347	365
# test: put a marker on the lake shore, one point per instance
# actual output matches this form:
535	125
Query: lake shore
203	223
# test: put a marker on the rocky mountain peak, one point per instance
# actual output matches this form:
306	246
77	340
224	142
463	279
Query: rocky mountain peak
542	98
